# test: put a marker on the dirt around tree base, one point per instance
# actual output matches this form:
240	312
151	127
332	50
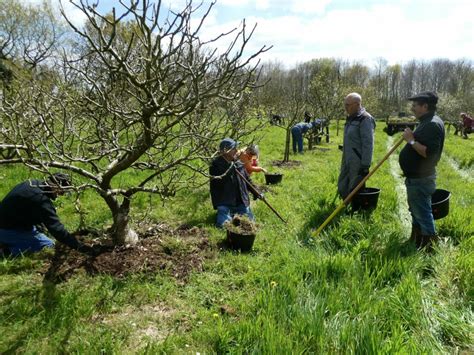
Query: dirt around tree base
178	252
289	164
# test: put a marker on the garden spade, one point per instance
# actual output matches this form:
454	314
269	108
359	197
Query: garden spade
261	197
357	188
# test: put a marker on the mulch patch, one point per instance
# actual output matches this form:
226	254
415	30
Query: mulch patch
321	149
286	164
177	251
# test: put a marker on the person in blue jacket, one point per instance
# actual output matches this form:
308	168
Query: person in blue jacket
299	129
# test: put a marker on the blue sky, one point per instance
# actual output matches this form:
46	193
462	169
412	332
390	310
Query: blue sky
299	30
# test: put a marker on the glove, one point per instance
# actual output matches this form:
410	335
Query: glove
87	249
357	182
363	171
258	197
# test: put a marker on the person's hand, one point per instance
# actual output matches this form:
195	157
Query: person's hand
94	250
357	182
264	171
88	250
259	196
408	135
363	171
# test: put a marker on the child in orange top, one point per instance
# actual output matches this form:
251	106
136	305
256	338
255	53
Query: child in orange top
249	157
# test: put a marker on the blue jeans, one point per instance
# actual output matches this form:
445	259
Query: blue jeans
225	213
20	241
419	191
297	136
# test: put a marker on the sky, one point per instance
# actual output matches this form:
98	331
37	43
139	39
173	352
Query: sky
355	30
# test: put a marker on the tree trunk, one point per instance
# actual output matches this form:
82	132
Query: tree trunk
286	156
121	232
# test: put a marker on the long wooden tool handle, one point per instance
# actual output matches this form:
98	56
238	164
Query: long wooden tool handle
254	189
357	188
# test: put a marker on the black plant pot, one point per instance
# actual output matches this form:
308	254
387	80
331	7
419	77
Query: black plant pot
366	199
242	242
440	203
273	178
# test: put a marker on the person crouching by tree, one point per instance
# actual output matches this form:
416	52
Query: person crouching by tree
418	160
29	205
249	157
229	192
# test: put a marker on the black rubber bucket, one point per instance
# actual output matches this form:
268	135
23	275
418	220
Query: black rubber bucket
440	203
242	242
273	178
366	199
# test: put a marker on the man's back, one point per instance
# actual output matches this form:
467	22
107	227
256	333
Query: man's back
23	206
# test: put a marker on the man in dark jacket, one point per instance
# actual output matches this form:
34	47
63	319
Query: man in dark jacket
418	160
229	193
29	205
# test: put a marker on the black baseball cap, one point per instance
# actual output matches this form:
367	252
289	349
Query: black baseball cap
428	97
60	179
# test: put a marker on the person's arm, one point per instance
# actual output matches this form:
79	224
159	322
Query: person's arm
257	169
55	227
417	146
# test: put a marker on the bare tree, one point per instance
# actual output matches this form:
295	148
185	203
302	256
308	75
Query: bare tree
328	88
128	108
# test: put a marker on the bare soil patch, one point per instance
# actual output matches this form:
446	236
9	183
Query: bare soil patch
177	251
286	164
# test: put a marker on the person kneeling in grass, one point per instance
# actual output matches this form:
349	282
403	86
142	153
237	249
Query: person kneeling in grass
28	205
229	192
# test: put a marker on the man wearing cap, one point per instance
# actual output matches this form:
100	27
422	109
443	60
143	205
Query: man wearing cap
28	205
358	145
229	193
418	160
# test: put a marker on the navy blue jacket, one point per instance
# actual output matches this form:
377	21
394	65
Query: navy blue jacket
29	204
230	190
303	126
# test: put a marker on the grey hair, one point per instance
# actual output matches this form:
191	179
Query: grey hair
354	96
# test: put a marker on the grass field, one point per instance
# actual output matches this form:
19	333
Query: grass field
356	288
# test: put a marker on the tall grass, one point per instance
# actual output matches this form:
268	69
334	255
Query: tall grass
356	288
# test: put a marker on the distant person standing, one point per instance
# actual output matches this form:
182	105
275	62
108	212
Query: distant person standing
418	160
358	145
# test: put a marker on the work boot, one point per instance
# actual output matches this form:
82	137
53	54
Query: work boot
416	236
427	241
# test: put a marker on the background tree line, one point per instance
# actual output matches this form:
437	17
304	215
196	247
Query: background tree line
138	89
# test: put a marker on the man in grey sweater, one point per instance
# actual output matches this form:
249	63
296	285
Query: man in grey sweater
358	145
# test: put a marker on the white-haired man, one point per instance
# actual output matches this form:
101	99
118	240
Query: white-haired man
358	145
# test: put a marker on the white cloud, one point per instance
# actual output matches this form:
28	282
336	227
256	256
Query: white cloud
309	7
397	30
389	31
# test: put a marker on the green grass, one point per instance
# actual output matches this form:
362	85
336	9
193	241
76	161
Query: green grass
461	150
354	289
